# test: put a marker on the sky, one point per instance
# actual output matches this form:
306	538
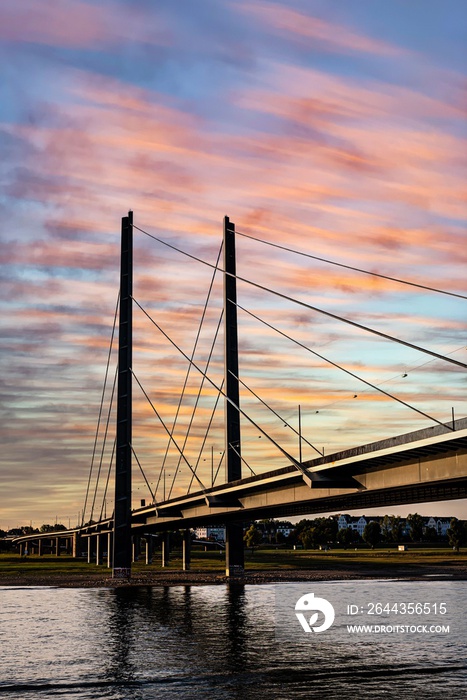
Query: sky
334	129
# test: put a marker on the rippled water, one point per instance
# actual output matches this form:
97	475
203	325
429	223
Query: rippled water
215	642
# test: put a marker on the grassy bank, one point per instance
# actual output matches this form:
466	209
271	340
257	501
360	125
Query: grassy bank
15	570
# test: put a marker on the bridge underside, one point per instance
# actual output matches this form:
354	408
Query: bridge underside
358	501
389	473
417	493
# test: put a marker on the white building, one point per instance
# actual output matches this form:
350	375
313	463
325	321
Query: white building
441	525
343	521
208	533
285	529
357	522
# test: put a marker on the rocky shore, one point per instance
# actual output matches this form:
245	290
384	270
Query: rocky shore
103	579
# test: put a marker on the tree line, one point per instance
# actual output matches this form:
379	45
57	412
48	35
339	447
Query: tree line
28	530
324	532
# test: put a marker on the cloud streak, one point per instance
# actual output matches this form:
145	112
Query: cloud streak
325	35
75	24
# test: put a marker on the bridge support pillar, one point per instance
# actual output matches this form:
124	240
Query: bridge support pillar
165	548
109	550
186	556
89	549
135	548
39	547
98	550
234	550
148	550
75	545
57	546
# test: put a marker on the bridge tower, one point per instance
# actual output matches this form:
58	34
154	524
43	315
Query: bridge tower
234	552
122	549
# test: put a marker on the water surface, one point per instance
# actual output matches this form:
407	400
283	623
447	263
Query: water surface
216	642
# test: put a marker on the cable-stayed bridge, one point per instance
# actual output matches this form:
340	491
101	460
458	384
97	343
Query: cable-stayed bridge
424	465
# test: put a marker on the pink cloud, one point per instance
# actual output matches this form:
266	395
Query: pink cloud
46	253
74	23
312	97
124	145
327	35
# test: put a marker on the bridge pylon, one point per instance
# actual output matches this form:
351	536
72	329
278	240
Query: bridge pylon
122	546
234	549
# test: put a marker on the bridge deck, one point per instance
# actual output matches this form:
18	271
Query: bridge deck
426	465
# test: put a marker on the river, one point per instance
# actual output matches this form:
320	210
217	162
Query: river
225	643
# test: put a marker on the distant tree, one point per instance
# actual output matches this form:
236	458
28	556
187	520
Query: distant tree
269	527
15	532
58	527
457	533
386	528
280	537
22	530
301	525
345	536
430	534
317	532
396	528
391	528
372	533
330	528
2	533
293	536
310	537
253	537
415	524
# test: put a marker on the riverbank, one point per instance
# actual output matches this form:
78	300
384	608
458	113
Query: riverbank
264	566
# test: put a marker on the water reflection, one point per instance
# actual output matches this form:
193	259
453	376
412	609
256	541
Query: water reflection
220	640
236	637
177	643
119	634
196	635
